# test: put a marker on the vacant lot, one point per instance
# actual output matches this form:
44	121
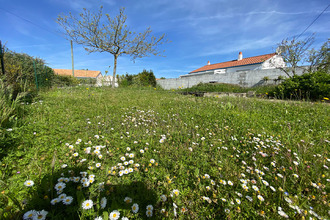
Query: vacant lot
93	152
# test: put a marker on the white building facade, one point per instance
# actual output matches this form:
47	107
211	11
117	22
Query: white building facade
267	61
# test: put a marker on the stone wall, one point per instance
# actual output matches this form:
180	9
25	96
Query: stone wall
243	78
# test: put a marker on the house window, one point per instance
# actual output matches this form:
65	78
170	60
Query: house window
221	71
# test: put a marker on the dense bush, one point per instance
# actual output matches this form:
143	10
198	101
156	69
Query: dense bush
61	81
223	87
22	67
24	73
8	105
145	78
87	81
309	86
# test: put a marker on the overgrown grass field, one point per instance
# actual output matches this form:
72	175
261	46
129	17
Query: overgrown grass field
101	153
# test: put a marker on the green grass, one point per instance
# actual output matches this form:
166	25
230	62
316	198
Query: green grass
197	146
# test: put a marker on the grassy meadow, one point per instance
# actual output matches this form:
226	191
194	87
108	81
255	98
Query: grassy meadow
102	153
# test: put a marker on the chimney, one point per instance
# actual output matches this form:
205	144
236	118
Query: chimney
240	56
208	63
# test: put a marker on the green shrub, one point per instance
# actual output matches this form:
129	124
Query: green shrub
21	67
8	104
87	81
309	86
21	71
223	87
145	78
61	81
216	87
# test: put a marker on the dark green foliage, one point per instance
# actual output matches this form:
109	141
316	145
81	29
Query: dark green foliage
126	80
309	86
87	81
61	81
223	87
21	71
145	78
21	67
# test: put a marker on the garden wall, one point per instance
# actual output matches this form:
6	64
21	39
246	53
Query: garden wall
243	78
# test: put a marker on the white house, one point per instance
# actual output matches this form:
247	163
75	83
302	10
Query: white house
106	81
267	61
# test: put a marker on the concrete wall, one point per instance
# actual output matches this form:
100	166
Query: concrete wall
243	78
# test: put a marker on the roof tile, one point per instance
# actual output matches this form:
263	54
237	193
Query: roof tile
77	73
234	63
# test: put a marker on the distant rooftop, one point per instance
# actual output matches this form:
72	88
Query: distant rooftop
78	73
235	63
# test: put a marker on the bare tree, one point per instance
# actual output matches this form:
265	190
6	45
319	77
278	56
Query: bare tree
293	52
109	35
320	59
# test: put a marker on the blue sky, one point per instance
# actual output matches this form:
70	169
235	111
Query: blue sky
198	30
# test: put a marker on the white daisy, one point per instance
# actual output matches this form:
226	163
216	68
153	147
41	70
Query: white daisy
68	200
207	199
83	174
135	208
150	207
283	214
265	182
148	212
40	215
260	198
176	192
249	198
272	188
87	204
128	200
163	198
62	196
103	202
114	215
86	184
60	186
54	201
29	214
76	179
29	183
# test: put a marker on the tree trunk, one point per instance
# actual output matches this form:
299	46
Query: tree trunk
114	70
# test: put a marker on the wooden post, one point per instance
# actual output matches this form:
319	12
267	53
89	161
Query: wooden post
1	57
72	59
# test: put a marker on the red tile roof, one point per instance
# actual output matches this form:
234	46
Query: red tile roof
77	73
235	63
